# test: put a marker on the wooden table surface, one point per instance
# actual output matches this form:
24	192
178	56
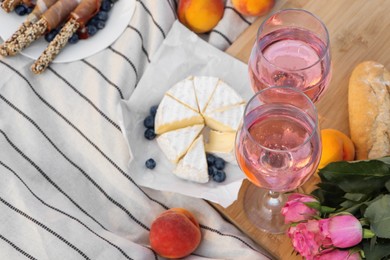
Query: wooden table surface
359	30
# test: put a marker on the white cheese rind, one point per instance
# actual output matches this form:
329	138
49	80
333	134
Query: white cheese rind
227	120
204	89
184	92
224	96
176	143
193	166
172	115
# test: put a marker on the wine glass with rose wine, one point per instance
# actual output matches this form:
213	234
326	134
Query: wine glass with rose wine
291	49
278	147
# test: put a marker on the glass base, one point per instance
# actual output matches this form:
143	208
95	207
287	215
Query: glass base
262	207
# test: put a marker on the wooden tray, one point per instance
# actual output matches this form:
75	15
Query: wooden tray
359	30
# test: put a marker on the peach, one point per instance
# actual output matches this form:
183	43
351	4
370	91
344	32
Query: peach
175	233
253	7
200	16
336	146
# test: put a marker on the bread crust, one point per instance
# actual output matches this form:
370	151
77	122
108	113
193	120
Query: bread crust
369	110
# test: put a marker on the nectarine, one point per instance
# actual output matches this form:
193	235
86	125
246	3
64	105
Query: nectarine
175	233
200	16
336	146
253	7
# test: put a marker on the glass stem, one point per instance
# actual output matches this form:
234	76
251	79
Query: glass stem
274	201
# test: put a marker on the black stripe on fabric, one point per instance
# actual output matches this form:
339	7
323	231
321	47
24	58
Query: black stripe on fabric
127	59
173	8
76	166
17	248
142	41
46	228
86	99
84	136
226	235
104	77
105	156
239	14
151	16
62	212
223	36
48	178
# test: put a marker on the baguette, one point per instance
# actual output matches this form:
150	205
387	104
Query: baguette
369	110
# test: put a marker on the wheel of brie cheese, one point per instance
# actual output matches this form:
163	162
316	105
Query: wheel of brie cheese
197	115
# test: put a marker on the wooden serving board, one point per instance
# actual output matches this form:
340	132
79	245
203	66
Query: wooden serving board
359	30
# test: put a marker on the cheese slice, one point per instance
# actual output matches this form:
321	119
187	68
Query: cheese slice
175	143
204	89
172	115
221	144
224	96
193	166
225	120
184	92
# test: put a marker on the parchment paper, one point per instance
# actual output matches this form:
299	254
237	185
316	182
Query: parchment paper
182	54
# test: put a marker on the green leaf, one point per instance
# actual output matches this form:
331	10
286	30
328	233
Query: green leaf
376	251
358	197
378	214
387	185
364	177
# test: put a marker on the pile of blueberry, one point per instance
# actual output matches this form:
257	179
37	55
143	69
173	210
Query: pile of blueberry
216	166
23	9
149	133
96	23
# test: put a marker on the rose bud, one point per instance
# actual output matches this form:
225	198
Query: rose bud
342	230
296	210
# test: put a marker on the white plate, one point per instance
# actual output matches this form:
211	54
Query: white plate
120	16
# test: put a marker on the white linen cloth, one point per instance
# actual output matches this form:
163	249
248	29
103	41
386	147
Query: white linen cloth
65	192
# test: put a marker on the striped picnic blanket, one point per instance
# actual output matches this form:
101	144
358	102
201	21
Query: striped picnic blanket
65	191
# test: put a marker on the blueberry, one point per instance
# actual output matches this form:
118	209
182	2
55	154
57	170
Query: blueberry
211	171
210	159
149	134
93	21
102	16
92	29
149	122
51	35
150	163
219	176
105	6
74	38
153	110
100	25
21	10
219	163
29	9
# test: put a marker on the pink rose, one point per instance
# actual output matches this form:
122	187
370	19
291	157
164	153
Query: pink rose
341	231
307	238
295	209
339	255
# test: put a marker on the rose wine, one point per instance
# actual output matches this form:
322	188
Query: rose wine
280	149
291	57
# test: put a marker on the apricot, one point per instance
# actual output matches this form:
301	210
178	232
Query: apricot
253	7
175	233
200	16
336	146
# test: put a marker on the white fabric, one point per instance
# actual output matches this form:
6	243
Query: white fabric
65	192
